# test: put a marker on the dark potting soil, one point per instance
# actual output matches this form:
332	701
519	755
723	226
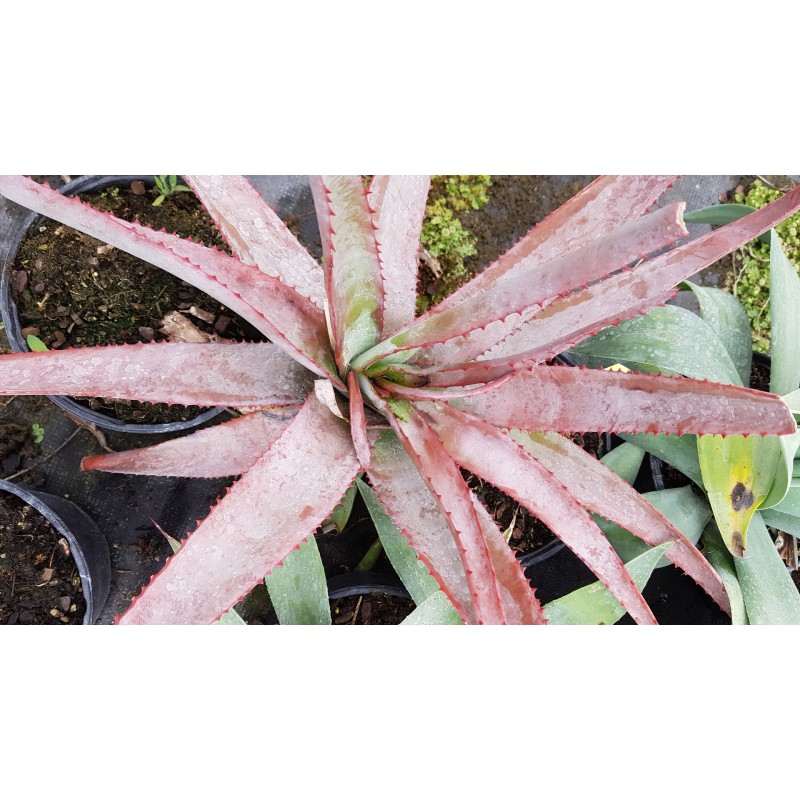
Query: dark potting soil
74	291
39	582
376	608
759	376
516	204
529	532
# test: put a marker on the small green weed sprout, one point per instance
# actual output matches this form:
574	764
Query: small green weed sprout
167	186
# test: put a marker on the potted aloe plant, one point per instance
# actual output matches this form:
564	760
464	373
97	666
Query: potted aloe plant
351	381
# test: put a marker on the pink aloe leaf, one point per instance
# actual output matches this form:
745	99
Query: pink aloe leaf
399	219
230	448
567	399
403	493
377	191
269	512
254	374
527	286
606	204
256	234
414	510
443	479
577	316
293	322
358	421
597	488
320	196
486	451
519	602
356	287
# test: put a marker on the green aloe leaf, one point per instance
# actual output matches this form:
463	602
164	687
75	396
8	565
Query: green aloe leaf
738	473
793	401
784	295
625	460
718	215
594	604
298	588
341	514
770	596
788	523
677	451
411	571
667	339
784	471
723	562
436	610
682	507
726	316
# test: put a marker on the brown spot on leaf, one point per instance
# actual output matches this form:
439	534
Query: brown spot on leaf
741	497
738	550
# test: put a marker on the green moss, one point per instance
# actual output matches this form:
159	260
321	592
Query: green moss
750	279
444	236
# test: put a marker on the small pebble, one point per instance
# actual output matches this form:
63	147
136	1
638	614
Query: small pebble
138	187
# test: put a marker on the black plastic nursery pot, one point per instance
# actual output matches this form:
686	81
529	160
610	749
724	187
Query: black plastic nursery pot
13	326
88	547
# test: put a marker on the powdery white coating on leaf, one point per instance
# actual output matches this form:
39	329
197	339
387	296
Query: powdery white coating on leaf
408	501
256	234
274	507
356	284
532	285
573	318
230	448
490	453
597	488
277	310
568	399
606	204
399	219
254	374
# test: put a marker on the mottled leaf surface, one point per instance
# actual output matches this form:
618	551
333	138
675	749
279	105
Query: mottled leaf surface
256	234
229	448
356	282
275	506
192	374
737	475
575	399
401	201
